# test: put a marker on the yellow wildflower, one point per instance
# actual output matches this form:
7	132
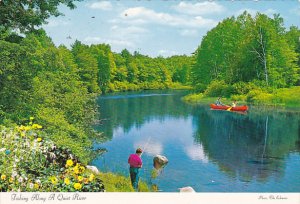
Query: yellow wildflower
21	128
54	180
69	163
36	126
80	178
31	118
11	179
81	169
3	177
39	139
76	169
36	186
77	186
67	181
91	178
27	128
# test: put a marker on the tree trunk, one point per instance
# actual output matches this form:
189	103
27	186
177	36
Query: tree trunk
264	57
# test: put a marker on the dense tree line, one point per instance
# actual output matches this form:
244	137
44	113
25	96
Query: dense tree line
110	71
248	49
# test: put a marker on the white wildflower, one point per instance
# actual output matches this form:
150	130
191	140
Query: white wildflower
20	179
14	174
52	155
31	185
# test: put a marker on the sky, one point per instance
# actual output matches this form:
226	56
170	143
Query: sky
156	27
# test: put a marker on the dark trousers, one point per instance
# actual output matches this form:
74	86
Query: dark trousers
134	177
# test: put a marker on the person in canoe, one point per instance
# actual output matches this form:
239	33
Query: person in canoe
233	104
135	163
218	102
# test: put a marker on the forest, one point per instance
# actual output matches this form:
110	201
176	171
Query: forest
247	58
253	59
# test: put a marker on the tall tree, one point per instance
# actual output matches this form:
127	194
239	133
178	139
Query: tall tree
87	66
27	15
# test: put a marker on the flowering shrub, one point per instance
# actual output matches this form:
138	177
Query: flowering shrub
31	162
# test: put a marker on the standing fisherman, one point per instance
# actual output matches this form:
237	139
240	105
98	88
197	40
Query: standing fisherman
135	163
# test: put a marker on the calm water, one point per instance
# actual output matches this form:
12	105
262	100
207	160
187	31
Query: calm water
211	151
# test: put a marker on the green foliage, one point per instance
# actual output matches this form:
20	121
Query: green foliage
218	88
193	98
243	87
238	98
199	87
42	80
259	96
87	66
119	183
287	96
245	49
14	82
31	162
284	96
25	15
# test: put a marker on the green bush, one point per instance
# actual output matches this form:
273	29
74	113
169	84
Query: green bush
287	96
193	98
200	87
243	87
259	96
218	88
238	97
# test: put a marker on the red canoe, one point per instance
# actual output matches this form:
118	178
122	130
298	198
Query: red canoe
237	108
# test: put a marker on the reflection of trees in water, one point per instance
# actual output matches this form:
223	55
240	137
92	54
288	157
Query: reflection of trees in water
129	112
249	146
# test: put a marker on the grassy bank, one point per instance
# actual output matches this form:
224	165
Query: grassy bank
289	97
119	183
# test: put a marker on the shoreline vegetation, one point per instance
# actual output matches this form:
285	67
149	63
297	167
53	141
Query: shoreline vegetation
285	97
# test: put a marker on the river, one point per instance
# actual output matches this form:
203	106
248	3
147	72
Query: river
211	151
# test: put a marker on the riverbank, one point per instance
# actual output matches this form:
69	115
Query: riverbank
287	97
126	86
31	162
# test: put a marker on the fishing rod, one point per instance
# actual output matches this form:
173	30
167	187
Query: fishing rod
145	147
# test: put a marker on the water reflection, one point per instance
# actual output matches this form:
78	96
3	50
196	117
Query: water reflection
208	150
249	146
196	152
151	148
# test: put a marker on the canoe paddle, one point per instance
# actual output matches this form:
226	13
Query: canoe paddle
228	109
